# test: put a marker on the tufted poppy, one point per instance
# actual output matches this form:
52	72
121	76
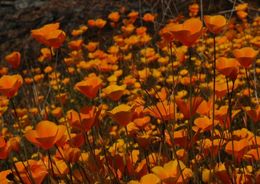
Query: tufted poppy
14	59
46	134
10	84
245	56
49	35
188	32
122	114
215	23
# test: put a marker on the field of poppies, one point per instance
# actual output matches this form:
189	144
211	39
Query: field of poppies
151	103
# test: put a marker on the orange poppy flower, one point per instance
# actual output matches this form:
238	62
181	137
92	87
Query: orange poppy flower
114	16
91	23
210	147
228	67
46	134
14	143
203	124
241	14
170	172
253	154
180	138
241	7
75	44
166	32
122	114
204	107
3	176
85	119
89	86
222	115
114	92
254	114
222	173
215	23
37	171
240	147
142	122
46	54
148	17
100	23
3	70
221	89
49	35
14	59
150	179
10	84
184	107
193	9
245	56
4	148
68	153
188	32
162	110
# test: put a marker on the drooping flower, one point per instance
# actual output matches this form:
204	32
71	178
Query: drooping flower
50	35
46	134
10	84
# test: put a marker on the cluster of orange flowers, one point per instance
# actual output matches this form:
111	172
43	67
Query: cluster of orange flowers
180	106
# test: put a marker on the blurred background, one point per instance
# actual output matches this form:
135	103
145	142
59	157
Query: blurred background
18	17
